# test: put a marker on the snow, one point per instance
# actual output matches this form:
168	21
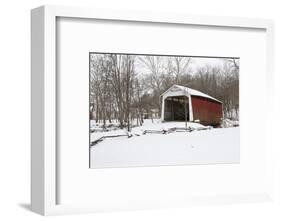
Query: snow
179	148
156	125
230	123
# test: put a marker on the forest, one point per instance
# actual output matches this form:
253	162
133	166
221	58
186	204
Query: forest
126	88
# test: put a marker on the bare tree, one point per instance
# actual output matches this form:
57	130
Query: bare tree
124	87
128	81
155	66
180	67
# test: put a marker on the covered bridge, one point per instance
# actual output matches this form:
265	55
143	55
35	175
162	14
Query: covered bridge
181	103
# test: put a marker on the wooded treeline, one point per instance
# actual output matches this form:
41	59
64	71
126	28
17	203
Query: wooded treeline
124	87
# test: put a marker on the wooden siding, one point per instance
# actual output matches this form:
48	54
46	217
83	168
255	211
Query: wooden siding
208	111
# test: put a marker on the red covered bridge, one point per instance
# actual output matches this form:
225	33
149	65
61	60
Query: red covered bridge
185	104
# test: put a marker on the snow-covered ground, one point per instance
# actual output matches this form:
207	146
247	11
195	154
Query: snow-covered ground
156	125
179	148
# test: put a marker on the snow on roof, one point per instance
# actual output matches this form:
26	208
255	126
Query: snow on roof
191	92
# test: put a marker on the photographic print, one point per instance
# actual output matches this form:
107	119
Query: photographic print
156	110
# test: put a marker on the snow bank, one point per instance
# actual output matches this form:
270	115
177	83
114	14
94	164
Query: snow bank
148	125
230	123
198	147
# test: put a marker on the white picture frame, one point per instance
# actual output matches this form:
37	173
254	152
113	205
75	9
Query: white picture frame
44	178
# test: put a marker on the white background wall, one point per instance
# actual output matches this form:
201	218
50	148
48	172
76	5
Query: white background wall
15	107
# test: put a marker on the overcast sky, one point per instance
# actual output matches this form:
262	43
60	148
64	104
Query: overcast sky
199	62
196	62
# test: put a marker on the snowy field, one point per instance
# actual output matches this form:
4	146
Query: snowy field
203	145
